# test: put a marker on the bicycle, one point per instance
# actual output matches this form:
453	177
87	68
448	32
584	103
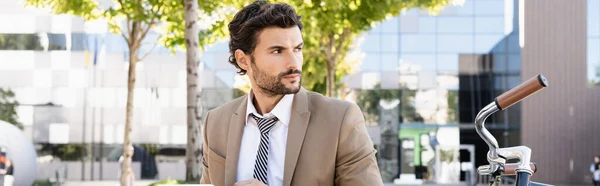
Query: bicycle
497	157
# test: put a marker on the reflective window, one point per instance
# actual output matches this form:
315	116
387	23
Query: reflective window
593	43
593	18
489	25
455	43
389	61
485	43
489	8
417	43
427	24
447	63
455	25
389	43
370	43
514	63
500	63
371	62
419	62
466	9
390	25
35	42
593	61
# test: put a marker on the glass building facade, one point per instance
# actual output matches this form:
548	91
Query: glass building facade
443	69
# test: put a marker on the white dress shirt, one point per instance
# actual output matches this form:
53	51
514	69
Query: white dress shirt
277	141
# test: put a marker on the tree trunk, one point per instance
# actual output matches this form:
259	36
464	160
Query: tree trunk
330	78
194	140
133	59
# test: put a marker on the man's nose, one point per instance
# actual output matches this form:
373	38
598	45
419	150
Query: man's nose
294	60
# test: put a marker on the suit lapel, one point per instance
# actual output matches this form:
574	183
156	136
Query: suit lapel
297	130
236	129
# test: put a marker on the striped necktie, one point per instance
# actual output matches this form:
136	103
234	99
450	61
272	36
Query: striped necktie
260	167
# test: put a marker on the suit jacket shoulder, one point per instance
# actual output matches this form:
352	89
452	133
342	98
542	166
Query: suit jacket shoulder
318	101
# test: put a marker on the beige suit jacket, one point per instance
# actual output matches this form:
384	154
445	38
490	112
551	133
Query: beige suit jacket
327	143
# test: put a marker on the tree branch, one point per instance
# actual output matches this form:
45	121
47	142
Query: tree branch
150	24
126	14
343	38
122	33
149	51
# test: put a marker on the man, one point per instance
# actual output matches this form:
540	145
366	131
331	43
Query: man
281	134
594	167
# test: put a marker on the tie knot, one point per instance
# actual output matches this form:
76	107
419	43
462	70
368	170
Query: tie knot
264	124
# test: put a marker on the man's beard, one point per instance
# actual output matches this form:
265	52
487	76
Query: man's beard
272	86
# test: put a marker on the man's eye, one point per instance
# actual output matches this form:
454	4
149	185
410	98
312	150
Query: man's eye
299	49
276	51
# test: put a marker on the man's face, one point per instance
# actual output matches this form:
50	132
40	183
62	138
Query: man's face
276	63
596	159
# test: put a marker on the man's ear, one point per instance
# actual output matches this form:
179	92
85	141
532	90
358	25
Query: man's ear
242	60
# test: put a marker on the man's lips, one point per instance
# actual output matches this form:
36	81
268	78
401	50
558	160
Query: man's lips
291	76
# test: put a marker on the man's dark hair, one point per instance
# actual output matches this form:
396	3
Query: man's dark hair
251	20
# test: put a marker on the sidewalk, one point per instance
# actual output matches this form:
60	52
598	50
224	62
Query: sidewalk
106	183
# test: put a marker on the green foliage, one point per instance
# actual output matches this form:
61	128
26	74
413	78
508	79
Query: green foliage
452	106
167	16
213	19
332	25
65	152
152	149
72	152
82	8
8	107
368	101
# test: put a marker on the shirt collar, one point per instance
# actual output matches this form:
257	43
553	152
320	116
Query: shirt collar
282	110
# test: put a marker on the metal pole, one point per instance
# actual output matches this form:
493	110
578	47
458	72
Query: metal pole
101	131
92	160
83	134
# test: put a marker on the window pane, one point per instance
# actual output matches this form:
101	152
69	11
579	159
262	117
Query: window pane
489	25
389	43
417	43
466	9
484	8
514	63
417	62
427	25
453	43
370	43
371	62
447	63
485	43
390	25
593	61
455	25
593	17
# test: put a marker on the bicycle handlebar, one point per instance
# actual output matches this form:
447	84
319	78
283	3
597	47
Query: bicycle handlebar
510	169
497	156
521	92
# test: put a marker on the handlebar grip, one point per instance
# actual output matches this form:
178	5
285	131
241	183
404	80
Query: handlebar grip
520	92
511	168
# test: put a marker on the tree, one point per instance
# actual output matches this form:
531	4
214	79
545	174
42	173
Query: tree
332	25
194	147
183	29
8	107
139	17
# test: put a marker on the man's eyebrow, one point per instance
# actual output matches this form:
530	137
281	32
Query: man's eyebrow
299	45
276	47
